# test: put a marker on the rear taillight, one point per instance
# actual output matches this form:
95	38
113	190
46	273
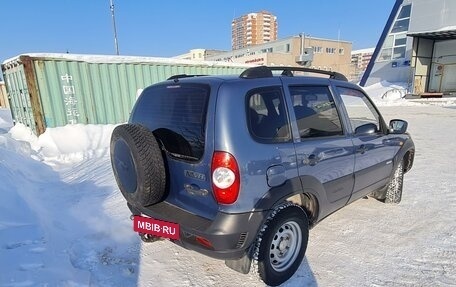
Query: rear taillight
225	177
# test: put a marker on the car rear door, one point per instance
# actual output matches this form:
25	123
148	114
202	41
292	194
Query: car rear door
324	151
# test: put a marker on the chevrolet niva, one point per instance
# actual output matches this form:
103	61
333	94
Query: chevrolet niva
240	168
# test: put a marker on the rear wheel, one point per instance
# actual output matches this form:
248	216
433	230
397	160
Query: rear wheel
281	244
394	189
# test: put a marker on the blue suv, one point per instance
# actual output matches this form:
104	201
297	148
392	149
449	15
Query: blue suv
240	168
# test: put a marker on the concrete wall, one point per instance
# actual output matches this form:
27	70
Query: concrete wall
432	15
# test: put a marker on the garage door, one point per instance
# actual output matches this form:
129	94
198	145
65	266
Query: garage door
449	78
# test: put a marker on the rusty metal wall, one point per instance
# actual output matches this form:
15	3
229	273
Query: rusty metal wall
3	96
50	90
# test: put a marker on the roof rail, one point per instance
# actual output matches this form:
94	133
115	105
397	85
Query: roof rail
256	72
177	77
266	72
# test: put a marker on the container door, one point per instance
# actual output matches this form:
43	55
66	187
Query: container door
449	78
20	105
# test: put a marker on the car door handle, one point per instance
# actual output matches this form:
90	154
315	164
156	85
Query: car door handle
362	149
311	160
332	153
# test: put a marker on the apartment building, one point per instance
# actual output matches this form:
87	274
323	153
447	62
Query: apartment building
359	60
198	54
253	29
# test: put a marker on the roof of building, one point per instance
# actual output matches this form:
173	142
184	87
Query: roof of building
363	51
445	33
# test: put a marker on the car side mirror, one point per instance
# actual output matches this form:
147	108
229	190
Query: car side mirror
366	129
398	126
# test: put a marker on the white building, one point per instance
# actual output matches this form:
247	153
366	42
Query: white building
417	46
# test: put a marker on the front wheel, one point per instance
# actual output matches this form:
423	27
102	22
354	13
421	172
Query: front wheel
281	244
394	189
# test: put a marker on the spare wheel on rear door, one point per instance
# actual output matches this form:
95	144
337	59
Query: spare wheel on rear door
138	165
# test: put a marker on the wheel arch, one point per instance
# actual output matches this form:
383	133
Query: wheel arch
309	198
309	203
409	157
407	154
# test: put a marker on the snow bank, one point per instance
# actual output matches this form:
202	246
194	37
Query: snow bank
393	94
388	94
123	59
65	225
5	120
70	144
387	91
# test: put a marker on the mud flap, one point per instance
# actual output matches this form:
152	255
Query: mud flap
243	264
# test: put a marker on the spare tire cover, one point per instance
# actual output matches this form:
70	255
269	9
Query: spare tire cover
138	164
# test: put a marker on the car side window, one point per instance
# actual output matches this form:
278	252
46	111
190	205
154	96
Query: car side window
266	115
360	109
315	111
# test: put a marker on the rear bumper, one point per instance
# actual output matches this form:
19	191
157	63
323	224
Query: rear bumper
229	235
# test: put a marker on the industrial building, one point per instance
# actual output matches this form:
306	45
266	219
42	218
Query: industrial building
300	50
418	47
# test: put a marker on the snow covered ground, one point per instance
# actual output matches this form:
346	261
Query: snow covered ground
63	221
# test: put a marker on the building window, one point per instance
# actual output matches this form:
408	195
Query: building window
330	50
287	48
400	26
318	50
341	51
395	44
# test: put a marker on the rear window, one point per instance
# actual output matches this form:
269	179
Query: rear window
268	121
177	116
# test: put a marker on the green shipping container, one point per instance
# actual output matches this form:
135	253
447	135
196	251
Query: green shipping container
51	90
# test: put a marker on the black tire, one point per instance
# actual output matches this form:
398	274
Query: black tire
394	189
281	244
138	165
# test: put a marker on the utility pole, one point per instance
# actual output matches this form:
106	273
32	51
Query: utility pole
116	44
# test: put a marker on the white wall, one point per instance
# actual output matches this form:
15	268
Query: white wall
432	15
